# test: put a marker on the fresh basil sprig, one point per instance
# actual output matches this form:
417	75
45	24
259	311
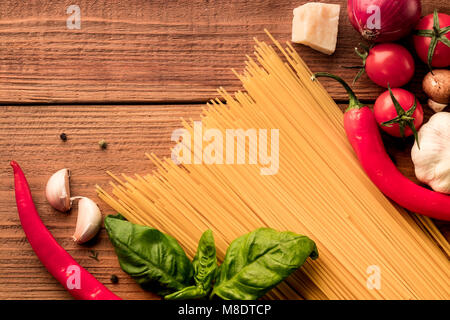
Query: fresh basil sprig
258	261
153	259
205	268
254	263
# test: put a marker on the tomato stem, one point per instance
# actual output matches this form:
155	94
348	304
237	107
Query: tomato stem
436	34
353	103
363	55
403	118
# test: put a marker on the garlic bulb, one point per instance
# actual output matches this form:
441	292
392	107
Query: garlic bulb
432	160
89	220
57	190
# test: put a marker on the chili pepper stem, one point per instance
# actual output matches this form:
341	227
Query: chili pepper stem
354	103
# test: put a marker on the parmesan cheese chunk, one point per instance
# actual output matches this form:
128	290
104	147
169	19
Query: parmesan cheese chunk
315	24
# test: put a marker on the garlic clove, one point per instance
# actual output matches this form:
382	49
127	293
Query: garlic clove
57	190
436	106
89	220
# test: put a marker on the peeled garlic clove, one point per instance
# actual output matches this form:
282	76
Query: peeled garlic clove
57	190
437	107
88	222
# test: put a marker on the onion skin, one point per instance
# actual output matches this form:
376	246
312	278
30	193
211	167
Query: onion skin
397	18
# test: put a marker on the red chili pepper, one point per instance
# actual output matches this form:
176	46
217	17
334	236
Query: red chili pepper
77	280
365	138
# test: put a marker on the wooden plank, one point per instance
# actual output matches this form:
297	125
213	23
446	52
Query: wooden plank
143	51
30	135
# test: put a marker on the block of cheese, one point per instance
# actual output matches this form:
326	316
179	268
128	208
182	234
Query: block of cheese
315	24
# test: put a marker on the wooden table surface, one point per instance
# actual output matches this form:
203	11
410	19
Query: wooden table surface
127	76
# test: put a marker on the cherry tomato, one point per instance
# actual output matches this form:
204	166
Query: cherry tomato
441	56
389	63
384	110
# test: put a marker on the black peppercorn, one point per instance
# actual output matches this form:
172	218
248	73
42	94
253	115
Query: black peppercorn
114	279
63	137
103	144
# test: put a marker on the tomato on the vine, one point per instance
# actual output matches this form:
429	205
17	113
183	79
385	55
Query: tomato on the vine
432	40
387	63
398	112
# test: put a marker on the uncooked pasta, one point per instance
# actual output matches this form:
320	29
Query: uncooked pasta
318	189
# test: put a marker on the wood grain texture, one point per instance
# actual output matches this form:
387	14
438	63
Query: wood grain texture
143	51
30	135
34	142
170	52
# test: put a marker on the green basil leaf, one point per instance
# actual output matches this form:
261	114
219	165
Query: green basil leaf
205	261
258	261
153	259
205	269
117	216
192	292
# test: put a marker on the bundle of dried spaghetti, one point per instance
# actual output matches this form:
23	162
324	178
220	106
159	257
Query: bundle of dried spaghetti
318	189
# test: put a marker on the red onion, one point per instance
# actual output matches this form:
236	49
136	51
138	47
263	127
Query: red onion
384	20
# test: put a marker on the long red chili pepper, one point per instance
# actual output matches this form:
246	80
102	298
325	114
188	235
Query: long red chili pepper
77	280
365	138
